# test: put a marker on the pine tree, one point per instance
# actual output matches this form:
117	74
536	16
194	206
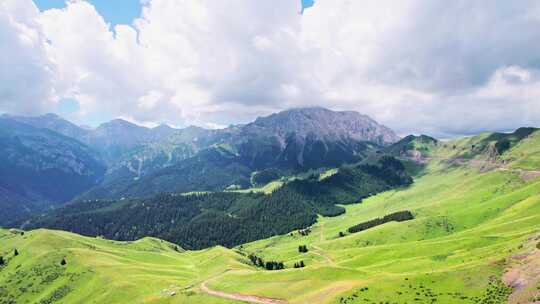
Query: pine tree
15	252
302	264
341	234
63	262
2	261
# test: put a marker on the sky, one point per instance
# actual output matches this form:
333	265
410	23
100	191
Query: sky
443	68
113	11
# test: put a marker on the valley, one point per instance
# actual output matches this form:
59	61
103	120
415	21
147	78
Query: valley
474	239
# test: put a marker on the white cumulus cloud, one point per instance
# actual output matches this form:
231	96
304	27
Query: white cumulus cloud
438	67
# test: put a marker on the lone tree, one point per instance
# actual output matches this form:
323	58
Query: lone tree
63	262
15	252
2	261
341	234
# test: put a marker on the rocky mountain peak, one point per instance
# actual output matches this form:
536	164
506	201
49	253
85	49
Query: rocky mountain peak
325	123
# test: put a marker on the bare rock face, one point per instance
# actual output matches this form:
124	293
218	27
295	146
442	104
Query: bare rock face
325	124
311	137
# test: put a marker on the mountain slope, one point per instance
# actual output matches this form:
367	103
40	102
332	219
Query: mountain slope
54	123
40	167
112	139
309	138
195	159
324	123
117	137
412	146
224	218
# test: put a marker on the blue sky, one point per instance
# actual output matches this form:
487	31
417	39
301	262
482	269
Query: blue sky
307	4
114	11
121	11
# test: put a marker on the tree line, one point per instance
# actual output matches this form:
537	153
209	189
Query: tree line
399	216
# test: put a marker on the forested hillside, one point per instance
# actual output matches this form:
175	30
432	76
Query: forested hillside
40	168
226	218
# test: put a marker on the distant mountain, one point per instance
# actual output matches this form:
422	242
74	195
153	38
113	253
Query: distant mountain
324	124
195	159
112	139
117	137
146	161
53	122
309	138
39	167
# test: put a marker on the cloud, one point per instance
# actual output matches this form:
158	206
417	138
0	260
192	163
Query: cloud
26	72
437	67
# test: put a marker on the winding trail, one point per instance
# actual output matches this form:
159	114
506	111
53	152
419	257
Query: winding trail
238	296
320	252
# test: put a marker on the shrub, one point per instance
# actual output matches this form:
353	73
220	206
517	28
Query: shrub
502	146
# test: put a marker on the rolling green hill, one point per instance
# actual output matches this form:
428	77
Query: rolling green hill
474	239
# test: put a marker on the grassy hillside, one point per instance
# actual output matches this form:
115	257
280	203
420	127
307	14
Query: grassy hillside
103	271
476	231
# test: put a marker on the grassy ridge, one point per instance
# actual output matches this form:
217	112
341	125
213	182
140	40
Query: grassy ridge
103	271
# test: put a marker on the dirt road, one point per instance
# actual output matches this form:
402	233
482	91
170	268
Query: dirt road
239	297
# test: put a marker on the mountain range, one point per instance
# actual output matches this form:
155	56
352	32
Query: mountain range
39	167
418	220
120	159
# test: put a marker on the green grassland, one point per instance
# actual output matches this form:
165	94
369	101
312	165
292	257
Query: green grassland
104	271
468	223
